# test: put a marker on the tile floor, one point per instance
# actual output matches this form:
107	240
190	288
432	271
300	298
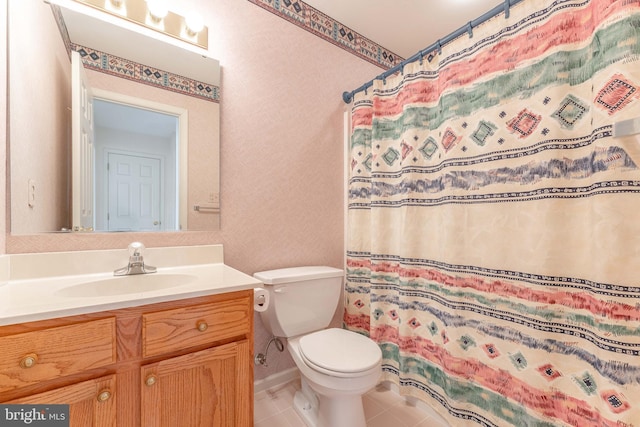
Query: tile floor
382	408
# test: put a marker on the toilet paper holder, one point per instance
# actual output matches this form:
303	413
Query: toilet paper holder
260	299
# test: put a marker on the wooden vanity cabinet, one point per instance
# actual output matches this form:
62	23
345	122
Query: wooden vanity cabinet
186	363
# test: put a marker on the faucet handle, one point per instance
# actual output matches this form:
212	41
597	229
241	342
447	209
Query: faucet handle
136	249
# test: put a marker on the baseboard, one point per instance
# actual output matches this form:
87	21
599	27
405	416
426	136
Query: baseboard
276	379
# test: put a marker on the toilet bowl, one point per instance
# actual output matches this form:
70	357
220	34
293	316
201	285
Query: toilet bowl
336	366
339	376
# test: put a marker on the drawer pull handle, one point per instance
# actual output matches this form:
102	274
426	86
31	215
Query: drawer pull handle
151	380
29	361
202	326
104	395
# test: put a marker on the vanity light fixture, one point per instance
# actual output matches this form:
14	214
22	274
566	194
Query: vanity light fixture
155	15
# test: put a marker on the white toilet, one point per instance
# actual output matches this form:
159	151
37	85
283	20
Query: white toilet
337	366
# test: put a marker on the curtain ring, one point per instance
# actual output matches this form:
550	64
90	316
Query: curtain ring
439	47
470	29
421	57
507	5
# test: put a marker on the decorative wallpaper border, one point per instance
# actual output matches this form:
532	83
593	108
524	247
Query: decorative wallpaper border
110	64
131	70
327	28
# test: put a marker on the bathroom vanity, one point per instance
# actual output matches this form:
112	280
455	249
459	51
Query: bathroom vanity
178	355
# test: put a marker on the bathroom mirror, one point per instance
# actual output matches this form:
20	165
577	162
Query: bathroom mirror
40	116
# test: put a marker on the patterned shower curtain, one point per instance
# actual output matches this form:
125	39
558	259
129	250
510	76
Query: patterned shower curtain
494	220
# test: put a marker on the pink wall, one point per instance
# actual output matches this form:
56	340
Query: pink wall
43	69
281	150
3	122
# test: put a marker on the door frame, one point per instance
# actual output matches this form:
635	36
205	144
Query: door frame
82	148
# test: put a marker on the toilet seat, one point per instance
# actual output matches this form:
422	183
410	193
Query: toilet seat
340	353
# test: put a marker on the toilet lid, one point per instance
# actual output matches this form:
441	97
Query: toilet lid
339	350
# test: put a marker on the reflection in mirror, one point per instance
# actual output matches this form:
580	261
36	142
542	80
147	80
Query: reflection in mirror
137	165
40	131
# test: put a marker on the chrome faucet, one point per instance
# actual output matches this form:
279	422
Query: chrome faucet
136	262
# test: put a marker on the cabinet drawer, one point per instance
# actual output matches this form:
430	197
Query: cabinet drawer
36	356
171	330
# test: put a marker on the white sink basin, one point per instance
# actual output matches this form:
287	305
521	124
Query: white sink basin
121	285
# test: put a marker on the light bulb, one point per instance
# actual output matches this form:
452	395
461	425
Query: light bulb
158	9
194	23
116	7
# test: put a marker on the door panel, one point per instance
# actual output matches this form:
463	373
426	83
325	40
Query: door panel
134	192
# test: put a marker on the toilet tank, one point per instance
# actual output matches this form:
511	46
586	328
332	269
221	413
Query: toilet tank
301	299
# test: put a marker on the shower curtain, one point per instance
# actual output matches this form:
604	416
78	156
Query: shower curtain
494	219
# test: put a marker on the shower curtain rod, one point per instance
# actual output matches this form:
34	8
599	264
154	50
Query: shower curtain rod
347	97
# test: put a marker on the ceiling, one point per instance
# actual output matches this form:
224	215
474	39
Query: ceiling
404	26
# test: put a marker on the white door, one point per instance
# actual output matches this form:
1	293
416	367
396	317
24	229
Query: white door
134	192
81	147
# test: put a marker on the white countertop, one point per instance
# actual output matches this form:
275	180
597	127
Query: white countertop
38	298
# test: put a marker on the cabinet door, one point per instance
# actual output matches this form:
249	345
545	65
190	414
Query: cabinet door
91	403
208	388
